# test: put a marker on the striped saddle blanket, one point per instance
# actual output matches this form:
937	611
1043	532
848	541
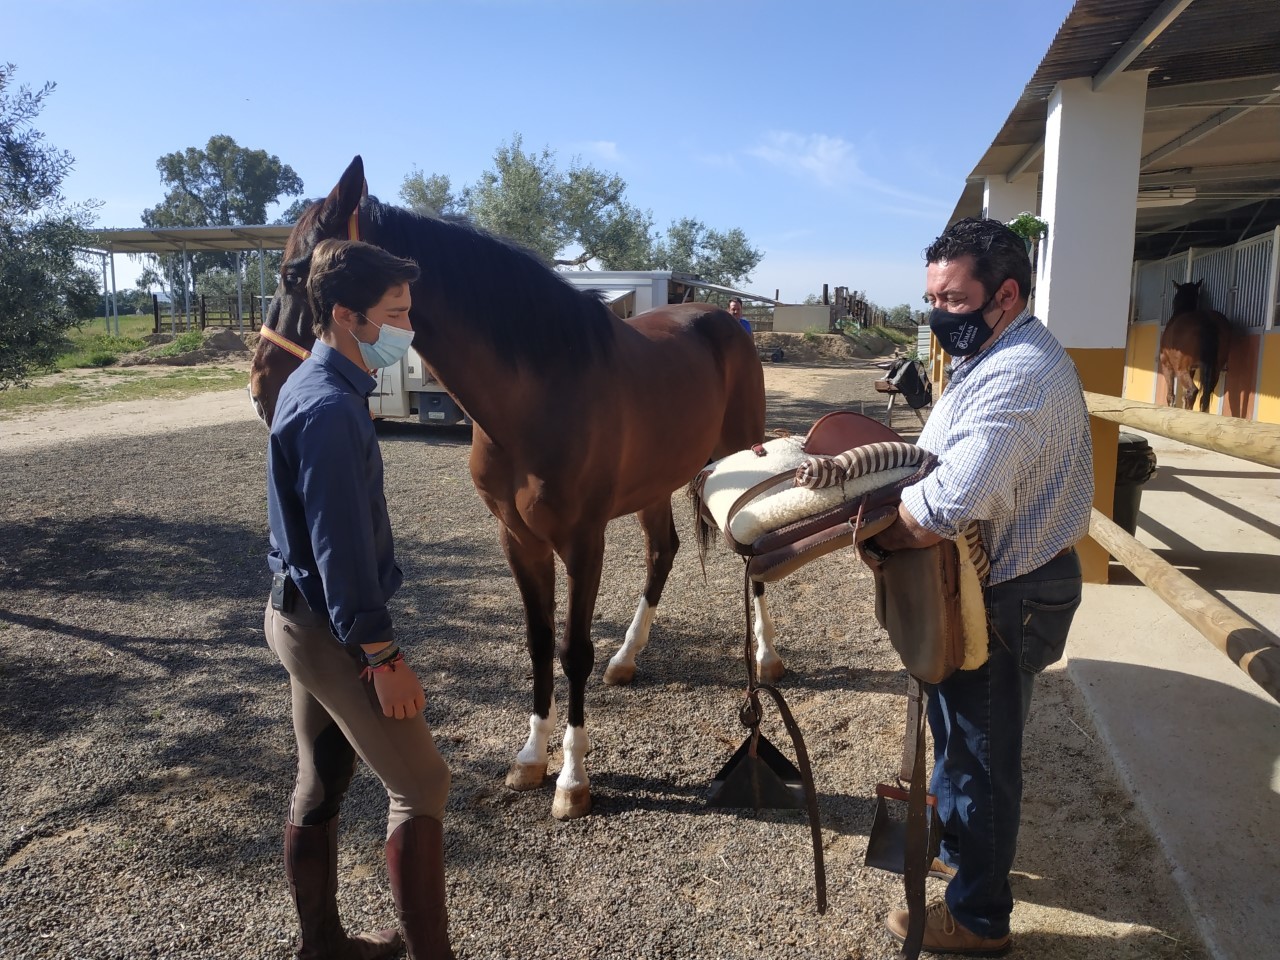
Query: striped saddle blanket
786	502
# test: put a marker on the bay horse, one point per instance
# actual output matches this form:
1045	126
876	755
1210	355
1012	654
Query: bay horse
578	418
1194	345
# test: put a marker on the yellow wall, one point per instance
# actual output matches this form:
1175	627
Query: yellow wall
1101	371
1268	396
1142	362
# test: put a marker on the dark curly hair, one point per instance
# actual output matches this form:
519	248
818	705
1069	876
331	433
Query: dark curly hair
998	253
354	274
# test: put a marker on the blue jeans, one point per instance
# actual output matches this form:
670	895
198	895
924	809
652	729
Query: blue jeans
977	718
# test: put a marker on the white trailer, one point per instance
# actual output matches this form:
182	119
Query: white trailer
407	389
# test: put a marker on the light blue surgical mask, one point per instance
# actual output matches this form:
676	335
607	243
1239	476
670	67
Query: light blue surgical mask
390	347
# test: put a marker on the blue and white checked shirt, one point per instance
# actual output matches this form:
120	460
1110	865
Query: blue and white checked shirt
1011	433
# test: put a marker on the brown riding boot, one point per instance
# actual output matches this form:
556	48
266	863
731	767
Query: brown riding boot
415	862
311	864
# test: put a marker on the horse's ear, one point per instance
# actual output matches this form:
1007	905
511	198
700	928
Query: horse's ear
344	198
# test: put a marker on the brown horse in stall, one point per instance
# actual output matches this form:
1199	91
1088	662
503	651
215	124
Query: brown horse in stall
1194	345
579	417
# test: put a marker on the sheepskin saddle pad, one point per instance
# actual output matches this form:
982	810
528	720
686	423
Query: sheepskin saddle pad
792	499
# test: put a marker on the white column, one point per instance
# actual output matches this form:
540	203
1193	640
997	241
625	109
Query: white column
1003	201
1092	149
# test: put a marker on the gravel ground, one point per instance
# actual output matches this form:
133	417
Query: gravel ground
147	750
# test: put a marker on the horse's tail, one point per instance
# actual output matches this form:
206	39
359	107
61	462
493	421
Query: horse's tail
703	530
1208	360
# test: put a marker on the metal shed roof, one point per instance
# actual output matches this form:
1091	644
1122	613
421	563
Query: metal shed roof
1211	135
175	239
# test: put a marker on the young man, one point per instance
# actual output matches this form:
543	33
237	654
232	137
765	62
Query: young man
334	571
735	311
1012	436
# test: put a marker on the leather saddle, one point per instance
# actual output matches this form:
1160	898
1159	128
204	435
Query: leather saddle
775	525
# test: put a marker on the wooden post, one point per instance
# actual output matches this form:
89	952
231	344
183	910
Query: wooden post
1250	648
155	311
1247	439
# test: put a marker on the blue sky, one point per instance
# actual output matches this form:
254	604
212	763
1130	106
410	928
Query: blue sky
837	135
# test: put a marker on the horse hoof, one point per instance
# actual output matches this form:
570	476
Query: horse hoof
572	803
770	671
526	776
619	674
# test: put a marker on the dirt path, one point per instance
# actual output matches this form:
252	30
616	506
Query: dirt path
147	751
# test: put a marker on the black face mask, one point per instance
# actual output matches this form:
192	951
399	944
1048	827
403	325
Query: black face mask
962	334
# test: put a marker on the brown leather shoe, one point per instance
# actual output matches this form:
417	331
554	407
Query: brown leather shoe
942	934
941	870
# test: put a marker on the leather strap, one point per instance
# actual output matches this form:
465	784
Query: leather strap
745	498
917	846
284	343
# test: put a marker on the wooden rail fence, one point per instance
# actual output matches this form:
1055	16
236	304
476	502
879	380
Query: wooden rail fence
1251	648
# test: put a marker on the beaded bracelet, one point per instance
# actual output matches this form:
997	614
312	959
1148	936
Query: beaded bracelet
386	666
382	656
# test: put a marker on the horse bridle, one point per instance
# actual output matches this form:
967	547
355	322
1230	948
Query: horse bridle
283	342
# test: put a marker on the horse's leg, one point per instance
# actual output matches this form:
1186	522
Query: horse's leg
769	666
582	560
534	570
1170	378
661	544
1189	388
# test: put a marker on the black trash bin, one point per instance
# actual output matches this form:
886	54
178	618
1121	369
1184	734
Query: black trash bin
1135	465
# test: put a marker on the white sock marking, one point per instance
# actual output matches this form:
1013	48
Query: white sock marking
765	634
535	748
637	636
576	747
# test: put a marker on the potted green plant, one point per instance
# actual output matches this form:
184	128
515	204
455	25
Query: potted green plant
1029	227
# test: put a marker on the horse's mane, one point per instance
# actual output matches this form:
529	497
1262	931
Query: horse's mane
526	312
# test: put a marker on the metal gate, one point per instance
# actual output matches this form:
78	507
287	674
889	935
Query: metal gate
1241	281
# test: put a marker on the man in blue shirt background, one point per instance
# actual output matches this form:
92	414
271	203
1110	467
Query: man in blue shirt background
334	572
735	311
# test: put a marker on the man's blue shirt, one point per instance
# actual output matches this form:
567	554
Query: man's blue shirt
325	503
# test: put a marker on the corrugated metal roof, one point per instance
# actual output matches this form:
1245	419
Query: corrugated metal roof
175	239
1209	42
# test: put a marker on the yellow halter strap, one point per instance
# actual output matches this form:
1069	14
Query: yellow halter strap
284	343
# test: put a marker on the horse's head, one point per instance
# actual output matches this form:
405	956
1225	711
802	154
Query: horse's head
287	333
1186	297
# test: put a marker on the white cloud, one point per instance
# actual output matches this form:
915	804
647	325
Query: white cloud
832	162
828	160
606	150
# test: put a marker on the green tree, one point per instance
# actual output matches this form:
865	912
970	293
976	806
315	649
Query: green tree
223	184
901	315
431	194
579	215
725	258
44	291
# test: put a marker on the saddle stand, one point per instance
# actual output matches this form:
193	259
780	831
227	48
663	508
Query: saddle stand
758	775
